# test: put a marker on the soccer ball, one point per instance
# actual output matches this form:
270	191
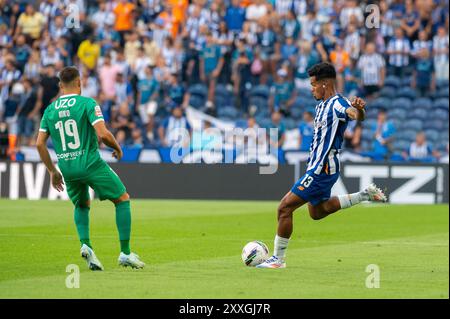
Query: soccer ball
254	253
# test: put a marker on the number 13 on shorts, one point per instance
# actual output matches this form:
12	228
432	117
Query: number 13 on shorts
306	181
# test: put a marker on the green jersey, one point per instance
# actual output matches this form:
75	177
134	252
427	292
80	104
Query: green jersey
69	121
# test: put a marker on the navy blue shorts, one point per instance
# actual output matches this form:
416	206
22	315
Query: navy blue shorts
315	188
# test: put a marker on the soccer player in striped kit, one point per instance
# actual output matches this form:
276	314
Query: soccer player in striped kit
332	115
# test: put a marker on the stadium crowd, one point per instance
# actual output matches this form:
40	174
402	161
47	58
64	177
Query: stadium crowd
146	61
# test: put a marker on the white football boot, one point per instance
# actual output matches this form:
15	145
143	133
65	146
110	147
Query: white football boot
375	194
272	262
131	260
92	261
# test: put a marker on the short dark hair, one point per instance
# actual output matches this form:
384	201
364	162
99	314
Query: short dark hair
68	74
323	70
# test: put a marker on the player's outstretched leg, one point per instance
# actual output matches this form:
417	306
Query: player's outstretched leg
81	217
371	193
288	205
123	222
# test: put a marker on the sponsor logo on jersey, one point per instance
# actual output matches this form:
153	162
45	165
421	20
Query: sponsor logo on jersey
98	111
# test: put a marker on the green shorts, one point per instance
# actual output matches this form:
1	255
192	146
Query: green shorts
104	181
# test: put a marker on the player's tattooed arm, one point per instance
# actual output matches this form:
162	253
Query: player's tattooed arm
356	111
108	139
55	175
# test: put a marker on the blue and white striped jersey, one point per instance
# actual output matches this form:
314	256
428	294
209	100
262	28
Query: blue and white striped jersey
330	123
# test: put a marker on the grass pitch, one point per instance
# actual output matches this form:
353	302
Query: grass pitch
192	250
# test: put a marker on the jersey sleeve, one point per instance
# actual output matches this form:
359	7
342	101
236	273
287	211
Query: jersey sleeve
43	127
94	112
340	108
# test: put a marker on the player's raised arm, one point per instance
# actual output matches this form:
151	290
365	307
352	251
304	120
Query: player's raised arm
55	175
108	139
356	111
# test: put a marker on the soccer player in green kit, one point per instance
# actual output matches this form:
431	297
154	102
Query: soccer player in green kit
75	123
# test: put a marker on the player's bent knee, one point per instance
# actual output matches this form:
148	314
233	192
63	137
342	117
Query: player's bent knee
314	213
86	204
123	198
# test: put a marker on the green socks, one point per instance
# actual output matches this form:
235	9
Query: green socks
81	217
123	222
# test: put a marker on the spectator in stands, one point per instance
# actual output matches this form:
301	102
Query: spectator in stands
373	70
5	37
387	21
48	90
103	17
89	52
352	42
107	74
351	80
241	70
123	124
140	63
306	58
267	40
211	63
22	52
278	139
291	26
30	23
191	64
352	136
108	38
410	22
398	51
174	92
350	9
255	11
341	60
326	42
421	43
384	132
89	86
306	132
282	93
151	48
440	52
252	137
235	17
8	76
57	28
289	50
33	66
423	75
50	56
24	114
11	105
137	140
420	150
147	100
175	130
131	48
123	90
124	22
